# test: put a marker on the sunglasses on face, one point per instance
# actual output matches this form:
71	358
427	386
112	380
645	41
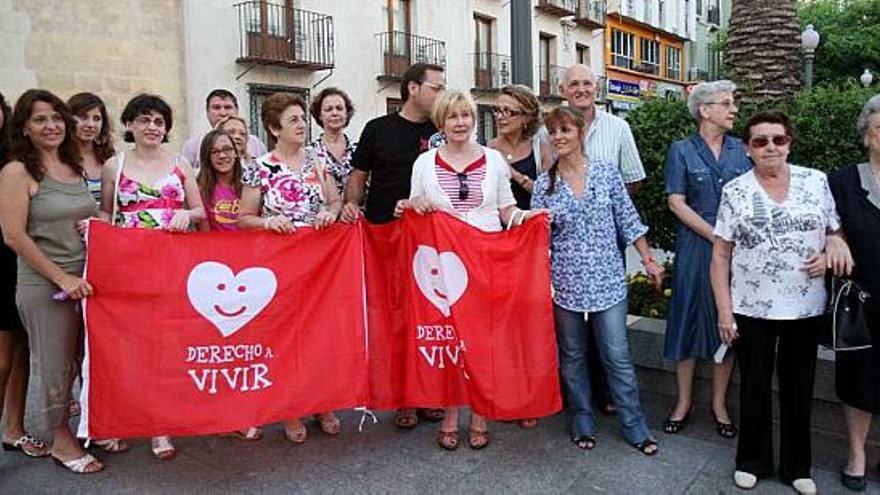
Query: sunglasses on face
506	112
762	141
463	190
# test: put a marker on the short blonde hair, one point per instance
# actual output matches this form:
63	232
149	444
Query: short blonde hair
446	101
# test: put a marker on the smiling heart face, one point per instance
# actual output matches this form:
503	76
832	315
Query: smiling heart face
442	277
227	300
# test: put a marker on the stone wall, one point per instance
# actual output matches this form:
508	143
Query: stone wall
114	48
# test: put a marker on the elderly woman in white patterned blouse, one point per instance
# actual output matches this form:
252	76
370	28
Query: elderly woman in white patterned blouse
768	263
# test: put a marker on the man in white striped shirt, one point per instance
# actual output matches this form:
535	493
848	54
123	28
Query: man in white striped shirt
608	136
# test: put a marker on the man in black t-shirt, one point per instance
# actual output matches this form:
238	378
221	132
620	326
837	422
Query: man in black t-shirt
389	145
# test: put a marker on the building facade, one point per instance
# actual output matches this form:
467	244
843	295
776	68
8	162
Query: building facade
705	62
645	50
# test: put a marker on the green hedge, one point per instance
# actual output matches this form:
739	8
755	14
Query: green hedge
825	138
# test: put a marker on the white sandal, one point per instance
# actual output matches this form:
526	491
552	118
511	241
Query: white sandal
111	445
162	448
744	480
805	486
81	465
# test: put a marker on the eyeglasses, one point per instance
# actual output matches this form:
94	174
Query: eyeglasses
435	87
724	103
226	150
145	121
463	190
506	112
762	141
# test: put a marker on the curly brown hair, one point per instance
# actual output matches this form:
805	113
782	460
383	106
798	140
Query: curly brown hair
22	148
81	103
530	106
4	129
318	101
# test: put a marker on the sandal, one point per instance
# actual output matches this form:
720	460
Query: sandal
111	445
328	423
432	415
726	430
162	448
447	440
528	423
298	435
673	426
28	445
648	447
251	434
406	418
478	439
87	464
585	442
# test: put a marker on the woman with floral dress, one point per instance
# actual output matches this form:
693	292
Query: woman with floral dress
149	188
285	189
332	109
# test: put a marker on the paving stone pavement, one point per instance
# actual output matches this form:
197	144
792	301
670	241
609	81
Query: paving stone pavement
383	459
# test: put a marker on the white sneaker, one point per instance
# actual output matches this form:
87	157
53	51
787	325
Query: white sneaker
744	480
804	486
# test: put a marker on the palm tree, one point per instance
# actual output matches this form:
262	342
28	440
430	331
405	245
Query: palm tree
762	54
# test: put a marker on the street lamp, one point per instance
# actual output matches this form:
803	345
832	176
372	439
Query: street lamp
809	42
867	78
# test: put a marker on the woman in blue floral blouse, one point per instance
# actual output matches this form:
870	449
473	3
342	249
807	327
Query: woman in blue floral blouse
591	212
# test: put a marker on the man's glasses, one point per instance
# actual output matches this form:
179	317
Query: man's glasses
463	190
435	87
762	141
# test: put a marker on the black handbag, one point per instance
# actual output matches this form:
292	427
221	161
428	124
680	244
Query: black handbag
850	316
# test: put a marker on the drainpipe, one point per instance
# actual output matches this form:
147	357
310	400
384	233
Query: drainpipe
521	41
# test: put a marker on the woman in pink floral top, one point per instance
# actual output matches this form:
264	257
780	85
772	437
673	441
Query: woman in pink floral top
285	189
149	188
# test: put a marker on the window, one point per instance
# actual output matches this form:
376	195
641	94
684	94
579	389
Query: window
482	51
257	94
485	123
583	54
673	63
622	49
399	14
650	51
269	17
544	44
393	105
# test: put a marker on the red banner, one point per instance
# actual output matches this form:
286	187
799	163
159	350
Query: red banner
201	333
208	332
461	317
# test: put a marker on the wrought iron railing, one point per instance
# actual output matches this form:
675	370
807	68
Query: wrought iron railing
278	35
399	50
558	7
591	13
549	78
491	71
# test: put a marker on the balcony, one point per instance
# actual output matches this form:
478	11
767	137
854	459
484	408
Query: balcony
491	71
647	68
277	35
558	8
549	77
400	50
698	74
591	14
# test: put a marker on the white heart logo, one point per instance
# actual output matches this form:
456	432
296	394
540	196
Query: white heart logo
227	300
442	277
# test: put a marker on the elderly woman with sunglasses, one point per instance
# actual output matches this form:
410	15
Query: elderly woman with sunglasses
767	272
471	182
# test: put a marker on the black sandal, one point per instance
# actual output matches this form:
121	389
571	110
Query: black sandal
585	442
726	430
673	426
648	447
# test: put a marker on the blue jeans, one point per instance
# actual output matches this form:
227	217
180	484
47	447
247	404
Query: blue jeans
571	337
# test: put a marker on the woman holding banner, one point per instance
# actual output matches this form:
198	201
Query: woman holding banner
473	183
149	188
42	199
592	213
285	189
